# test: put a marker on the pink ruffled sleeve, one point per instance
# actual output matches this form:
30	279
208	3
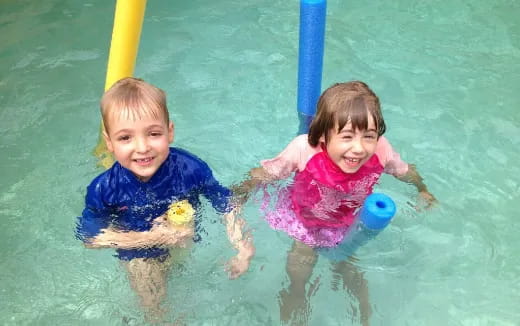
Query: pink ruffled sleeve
390	159
293	158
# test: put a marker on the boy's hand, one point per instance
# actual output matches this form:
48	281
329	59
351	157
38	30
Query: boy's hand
239	264
170	236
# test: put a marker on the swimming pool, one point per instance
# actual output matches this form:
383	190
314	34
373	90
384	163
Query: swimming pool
447	75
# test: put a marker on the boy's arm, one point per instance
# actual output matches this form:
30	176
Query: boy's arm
95	227
413	177
160	235
241	240
229	203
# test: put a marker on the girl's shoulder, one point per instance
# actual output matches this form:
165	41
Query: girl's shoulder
293	158
383	144
301	144
300	151
389	158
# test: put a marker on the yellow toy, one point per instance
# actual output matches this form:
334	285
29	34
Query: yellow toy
180	213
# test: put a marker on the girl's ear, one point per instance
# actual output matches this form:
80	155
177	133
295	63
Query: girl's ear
322	139
170	132
108	142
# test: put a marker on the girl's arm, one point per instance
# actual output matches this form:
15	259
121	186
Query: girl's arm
393	164
160	235
256	177
293	158
413	177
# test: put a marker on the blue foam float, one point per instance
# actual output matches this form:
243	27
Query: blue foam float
376	213
310	59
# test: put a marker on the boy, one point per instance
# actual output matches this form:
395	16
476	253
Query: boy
126	206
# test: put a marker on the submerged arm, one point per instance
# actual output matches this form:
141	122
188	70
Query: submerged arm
256	177
413	177
242	240
160	235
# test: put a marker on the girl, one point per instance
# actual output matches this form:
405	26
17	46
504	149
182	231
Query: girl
336	166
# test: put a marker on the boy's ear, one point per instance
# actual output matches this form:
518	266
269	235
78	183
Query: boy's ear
108	142
170	132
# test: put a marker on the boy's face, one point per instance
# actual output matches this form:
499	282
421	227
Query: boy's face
140	145
349	148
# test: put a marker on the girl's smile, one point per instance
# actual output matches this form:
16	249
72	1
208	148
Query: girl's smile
349	149
352	162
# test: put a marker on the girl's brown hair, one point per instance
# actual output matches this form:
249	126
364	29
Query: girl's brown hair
343	102
135	99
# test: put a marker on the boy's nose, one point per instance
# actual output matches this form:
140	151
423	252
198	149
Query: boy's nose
141	145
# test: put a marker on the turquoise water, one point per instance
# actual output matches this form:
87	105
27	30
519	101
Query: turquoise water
447	74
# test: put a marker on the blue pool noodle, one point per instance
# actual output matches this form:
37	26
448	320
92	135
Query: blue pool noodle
310	59
376	213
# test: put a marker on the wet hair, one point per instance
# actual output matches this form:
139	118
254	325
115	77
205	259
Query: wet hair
133	98
352	101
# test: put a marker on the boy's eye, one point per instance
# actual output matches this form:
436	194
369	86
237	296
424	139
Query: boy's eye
123	138
155	133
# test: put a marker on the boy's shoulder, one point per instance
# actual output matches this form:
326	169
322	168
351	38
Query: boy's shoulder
182	156
179	161
182	153
106	182
184	165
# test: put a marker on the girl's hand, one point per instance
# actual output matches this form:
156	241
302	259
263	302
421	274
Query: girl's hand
427	198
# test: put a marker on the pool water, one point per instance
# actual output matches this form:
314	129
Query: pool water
447	74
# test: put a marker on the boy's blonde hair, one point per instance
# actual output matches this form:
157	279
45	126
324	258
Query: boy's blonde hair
133	98
343	102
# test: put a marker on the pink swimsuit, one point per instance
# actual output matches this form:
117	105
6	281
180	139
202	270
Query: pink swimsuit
321	203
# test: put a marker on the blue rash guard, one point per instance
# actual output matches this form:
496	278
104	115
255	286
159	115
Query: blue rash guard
116	198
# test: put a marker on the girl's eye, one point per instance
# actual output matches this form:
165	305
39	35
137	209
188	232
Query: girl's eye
347	137
370	137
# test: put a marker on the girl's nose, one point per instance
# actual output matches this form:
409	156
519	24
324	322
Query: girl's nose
357	146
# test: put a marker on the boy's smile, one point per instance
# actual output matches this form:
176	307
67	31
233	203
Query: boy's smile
145	161
140	145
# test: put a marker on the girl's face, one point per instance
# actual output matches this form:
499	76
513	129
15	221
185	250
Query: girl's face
140	145
349	148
